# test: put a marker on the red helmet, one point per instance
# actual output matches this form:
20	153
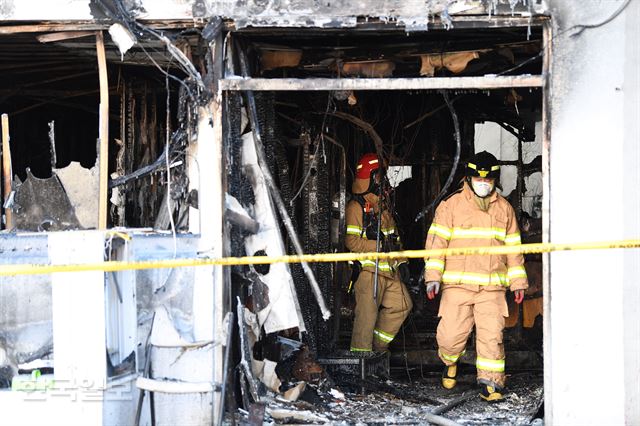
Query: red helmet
368	163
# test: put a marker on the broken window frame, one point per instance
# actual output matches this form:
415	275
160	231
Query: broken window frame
118	335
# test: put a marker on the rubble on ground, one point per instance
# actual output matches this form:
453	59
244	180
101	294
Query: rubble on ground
405	402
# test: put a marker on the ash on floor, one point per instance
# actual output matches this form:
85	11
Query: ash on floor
387	402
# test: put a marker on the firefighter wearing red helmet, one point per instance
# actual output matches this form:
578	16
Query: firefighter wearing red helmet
474	286
376	320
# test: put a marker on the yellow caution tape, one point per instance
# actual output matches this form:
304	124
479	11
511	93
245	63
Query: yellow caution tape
119	234
113	266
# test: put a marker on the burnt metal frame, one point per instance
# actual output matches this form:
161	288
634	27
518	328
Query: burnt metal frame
488	82
426	83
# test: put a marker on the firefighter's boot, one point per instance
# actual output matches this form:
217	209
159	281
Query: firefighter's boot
449	375
491	393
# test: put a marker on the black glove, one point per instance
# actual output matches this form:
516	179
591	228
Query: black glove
405	273
371	231
391	243
356	268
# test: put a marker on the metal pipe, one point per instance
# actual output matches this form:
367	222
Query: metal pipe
145	372
225	366
275	194
379	225
439	420
454	403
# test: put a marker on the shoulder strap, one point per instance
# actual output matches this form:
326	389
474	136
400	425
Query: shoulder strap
366	208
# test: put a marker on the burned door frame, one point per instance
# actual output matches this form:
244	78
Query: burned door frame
233	83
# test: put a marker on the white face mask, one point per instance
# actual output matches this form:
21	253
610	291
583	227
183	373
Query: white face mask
482	189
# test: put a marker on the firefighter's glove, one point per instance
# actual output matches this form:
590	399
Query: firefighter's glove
433	287
356	268
405	273
371	232
518	295
391	243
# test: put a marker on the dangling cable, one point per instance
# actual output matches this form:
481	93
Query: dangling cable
456	127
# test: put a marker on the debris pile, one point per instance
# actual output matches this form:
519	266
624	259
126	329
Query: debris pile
403	402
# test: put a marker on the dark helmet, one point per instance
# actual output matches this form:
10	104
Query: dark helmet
483	165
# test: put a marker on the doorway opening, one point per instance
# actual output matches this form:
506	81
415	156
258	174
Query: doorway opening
313	136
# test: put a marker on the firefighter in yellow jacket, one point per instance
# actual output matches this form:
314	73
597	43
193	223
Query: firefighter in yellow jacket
474	286
377	320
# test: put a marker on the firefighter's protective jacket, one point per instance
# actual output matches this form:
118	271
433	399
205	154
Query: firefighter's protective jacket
376	322
356	239
459	222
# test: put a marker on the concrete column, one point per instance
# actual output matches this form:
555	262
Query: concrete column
631	214
592	350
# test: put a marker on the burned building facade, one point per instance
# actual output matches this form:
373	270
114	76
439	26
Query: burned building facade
155	132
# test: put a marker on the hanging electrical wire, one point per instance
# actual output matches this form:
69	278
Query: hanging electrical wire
614	15
580	29
456	127
124	17
315	155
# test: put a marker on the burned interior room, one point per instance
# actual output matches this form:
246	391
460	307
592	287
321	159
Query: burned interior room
313	139
51	93
57	112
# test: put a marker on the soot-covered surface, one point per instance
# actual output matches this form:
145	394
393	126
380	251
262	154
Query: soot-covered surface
403	402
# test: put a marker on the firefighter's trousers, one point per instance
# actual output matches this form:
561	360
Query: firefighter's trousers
460	309
377	321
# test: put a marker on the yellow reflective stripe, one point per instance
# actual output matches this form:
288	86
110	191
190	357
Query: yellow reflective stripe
497	233
496	365
383	266
354	230
359	350
387	231
385	337
452	358
440	231
516	272
512	239
435	264
454	277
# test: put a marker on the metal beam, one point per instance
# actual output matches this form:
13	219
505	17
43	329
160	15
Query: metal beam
427	83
